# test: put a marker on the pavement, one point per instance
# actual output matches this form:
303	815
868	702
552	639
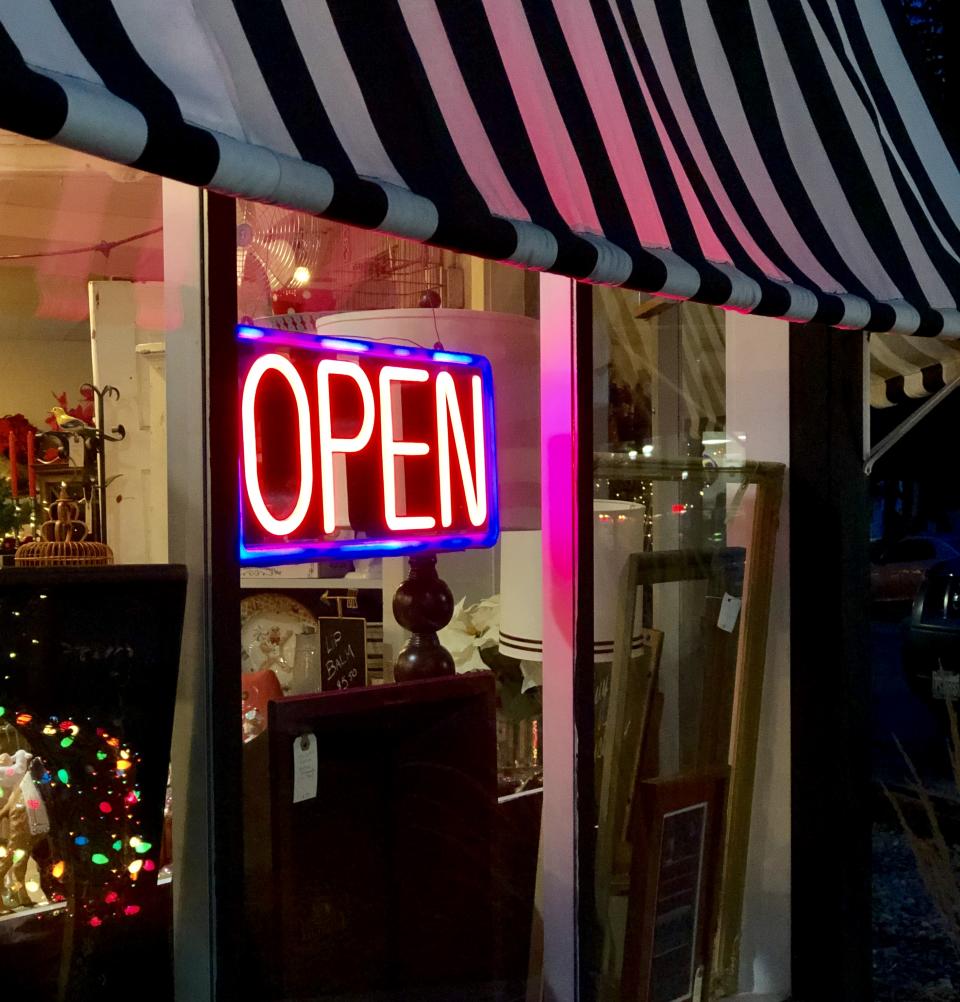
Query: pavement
913	958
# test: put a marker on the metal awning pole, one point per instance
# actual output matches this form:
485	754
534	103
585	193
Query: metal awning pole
889	441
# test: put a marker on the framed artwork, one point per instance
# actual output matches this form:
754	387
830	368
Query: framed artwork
677	832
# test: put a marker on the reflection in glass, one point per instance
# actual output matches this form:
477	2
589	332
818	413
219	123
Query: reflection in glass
683	546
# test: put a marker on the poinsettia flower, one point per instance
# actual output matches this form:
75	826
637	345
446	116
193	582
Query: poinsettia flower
21	428
468	631
473	636
485	617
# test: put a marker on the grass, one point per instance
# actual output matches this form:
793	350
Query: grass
935	859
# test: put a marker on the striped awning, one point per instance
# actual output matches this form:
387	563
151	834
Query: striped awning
766	156
909	368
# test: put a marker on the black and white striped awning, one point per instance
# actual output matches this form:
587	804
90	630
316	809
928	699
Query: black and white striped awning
769	156
910	368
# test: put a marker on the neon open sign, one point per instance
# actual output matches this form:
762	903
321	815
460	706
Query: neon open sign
353	448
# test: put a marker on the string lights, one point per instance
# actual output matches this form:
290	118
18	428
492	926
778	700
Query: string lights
96	864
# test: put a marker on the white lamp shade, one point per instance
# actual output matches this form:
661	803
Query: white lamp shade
521	595
618	530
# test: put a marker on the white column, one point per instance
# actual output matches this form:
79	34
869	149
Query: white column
758	422
186	480
558	384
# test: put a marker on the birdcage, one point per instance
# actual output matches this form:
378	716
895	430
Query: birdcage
63	541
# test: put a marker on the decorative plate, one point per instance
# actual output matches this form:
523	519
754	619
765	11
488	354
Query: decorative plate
269	626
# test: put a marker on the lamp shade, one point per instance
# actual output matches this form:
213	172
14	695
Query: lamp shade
617	532
521	595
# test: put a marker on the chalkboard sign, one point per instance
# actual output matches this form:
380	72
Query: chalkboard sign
343	652
679	891
677	834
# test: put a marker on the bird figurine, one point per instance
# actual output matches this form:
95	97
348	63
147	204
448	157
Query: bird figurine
67	422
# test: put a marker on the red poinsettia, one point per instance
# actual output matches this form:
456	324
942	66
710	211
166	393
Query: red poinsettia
21	429
83	410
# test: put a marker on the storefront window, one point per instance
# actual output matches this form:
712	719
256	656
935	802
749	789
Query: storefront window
683	537
407	864
89	634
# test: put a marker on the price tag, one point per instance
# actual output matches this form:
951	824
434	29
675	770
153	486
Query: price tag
304	768
729	611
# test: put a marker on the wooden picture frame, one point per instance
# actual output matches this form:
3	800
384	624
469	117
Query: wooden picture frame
621	732
677	834
733	673
630	699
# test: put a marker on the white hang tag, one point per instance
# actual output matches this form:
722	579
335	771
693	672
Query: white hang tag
729	610
304	768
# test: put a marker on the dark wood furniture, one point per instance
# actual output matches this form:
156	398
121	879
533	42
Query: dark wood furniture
384	880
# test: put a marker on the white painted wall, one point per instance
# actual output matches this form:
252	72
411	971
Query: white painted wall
757	390
31	371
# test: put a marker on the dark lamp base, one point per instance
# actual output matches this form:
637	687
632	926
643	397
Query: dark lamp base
423	604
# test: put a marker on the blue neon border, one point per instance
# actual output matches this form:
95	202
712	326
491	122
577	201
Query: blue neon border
347	549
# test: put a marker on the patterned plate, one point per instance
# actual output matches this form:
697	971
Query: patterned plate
269	626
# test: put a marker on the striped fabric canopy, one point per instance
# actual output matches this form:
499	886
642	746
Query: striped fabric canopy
769	156
909	368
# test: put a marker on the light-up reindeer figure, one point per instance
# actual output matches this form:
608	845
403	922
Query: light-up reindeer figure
25	818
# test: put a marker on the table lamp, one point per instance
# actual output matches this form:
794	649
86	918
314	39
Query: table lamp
618	529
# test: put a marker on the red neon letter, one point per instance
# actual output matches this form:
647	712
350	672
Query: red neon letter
391	449
263	365
328	444
474	488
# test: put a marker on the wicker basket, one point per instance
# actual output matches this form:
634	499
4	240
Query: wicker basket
63	541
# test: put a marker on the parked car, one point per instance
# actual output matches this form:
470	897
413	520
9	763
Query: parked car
931	657
897	570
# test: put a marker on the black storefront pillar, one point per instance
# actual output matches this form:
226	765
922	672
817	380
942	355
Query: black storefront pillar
830	669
